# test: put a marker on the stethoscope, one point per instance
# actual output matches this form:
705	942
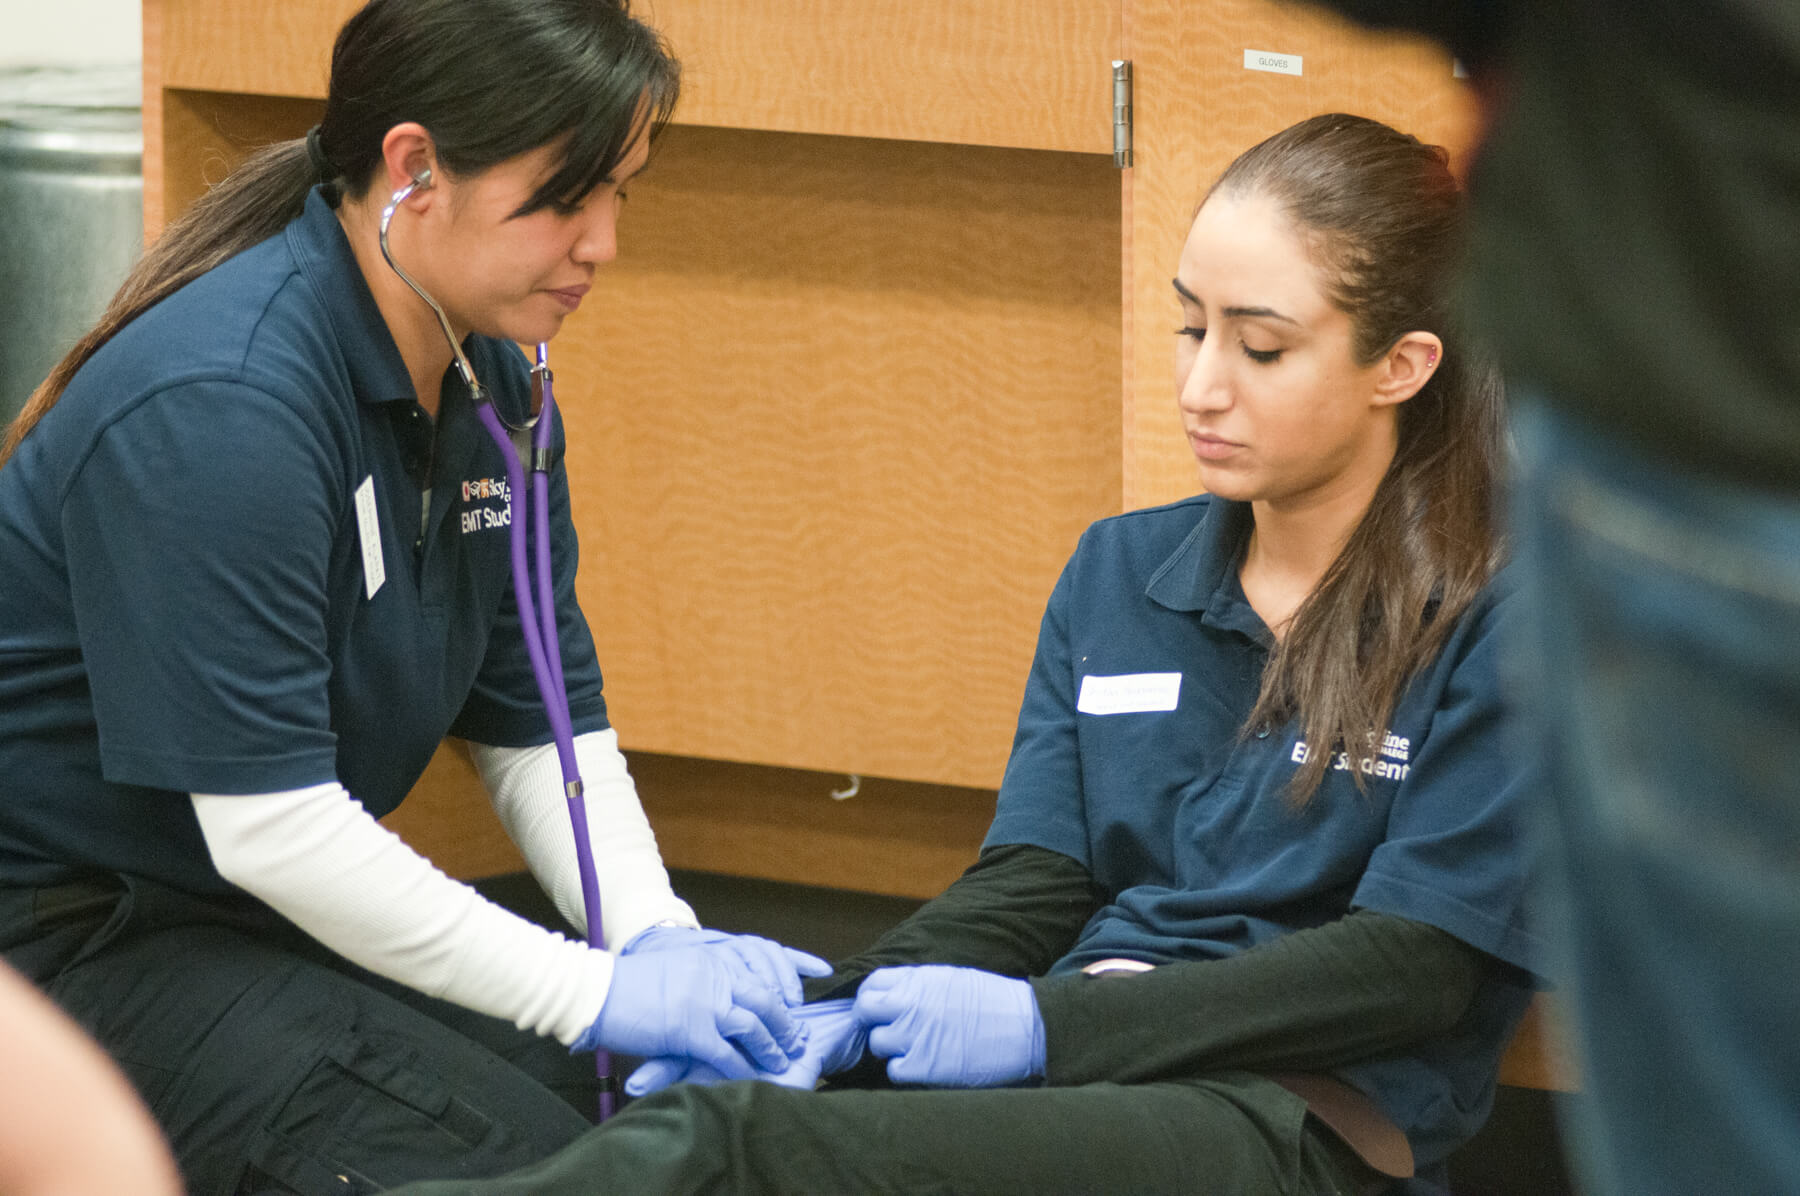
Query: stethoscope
537	612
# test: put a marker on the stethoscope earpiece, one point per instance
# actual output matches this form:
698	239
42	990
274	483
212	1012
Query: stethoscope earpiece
422	179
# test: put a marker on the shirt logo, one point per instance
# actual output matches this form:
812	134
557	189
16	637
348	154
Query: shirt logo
482	488
1391	762
495	509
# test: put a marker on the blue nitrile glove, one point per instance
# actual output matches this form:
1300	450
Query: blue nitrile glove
694	1003
779	967
834	1043
952	1027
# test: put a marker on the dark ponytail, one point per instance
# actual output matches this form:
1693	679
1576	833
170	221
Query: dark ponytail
490	79
1385	221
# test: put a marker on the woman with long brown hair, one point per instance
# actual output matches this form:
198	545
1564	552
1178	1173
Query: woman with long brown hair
1249	917
254	559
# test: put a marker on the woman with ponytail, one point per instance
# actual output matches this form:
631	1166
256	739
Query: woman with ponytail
251	582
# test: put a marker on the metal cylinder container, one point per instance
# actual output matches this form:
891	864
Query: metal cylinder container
71	210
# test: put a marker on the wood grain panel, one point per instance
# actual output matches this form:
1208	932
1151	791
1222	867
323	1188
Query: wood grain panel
447	819
908	840
1026	73
837	417
281	49
155	150
1196	109
204	135
892	837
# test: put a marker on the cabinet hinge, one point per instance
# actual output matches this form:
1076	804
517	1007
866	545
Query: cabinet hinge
1121	113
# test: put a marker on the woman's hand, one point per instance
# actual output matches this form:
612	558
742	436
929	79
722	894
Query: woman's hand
779	967
834	1042
952	1027
697	1003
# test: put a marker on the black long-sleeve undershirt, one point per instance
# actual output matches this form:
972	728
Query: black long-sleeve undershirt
1365	985
1016	911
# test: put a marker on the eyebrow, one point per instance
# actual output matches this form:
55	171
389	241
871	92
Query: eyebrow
1236	313
1258	313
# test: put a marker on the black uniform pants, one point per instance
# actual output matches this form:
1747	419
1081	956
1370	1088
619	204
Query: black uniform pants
1229	1135
273	1065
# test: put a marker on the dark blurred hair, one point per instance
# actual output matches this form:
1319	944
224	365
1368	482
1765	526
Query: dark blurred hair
1384	220
490	79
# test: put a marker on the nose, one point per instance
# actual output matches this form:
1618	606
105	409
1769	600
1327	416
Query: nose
598	242
1201	381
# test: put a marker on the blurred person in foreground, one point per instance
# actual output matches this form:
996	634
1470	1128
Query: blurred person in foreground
70	1124
1637	268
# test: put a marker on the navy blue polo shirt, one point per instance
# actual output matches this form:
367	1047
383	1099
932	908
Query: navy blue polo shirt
182	571
1131	759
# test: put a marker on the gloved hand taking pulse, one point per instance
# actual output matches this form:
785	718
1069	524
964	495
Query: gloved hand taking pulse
952	1027
699	1004
779	967
834	1042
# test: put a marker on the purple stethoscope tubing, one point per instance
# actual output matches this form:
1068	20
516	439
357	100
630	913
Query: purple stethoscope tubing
537	612
537	623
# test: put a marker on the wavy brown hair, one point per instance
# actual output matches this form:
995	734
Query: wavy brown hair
1384	221
490	79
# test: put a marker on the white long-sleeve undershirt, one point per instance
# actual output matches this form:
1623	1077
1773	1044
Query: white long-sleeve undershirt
527	789
317	857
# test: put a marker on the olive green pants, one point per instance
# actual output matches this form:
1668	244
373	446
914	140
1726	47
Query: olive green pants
1230	1135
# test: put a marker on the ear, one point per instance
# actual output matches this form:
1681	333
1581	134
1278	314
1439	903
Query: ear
407	152
1405	369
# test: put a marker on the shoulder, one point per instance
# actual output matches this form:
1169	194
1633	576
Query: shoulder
251	319
1489	618
1149	534
209	325
1169	518
1170	552
1471	668
246	336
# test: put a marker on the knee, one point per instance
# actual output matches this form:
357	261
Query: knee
689	1137
681	1139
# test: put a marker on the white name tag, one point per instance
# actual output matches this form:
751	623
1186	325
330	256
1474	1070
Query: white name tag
1280	64
368	529
1129	693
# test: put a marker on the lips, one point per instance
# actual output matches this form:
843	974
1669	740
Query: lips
570	297
1208	447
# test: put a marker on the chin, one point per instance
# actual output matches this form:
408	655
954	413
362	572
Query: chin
524	332
524	326
1227	485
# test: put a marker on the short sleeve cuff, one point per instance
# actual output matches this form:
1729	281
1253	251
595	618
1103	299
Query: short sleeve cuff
524	728
1504	939
263	773
1034	829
